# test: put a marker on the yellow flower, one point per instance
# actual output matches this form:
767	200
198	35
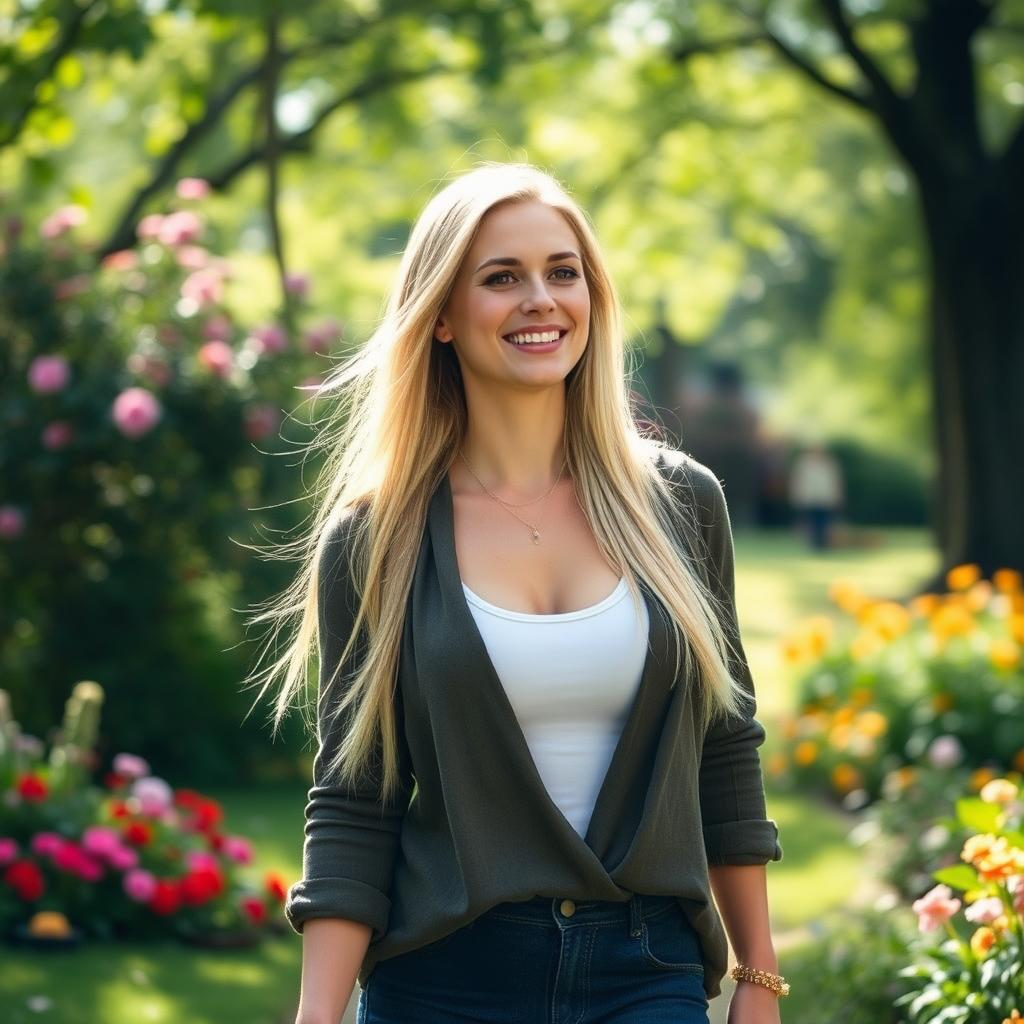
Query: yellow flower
844	715
998	791
839	736
887	618
845	777
960	577
979	777
1007	580
1004	653
978	595
847	596
925	605
982	941
872	723
952	619
806	752
1017	627
865	644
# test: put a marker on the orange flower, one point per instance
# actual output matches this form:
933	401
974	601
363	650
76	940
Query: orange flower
1004	653
952	619
977	846
806	752
979	595
960	577
847	596
982	941
887	618
872	723
979	777
845	777
925	605
1007	580
1016	625
942	701
865	644
1014	1016
844	715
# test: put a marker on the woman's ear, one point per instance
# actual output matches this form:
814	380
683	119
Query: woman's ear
441	333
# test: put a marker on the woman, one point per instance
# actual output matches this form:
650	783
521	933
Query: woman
537	751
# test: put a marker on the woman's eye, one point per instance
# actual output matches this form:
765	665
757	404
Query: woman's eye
495	278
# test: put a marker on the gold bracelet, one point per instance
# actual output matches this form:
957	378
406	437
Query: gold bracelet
775	982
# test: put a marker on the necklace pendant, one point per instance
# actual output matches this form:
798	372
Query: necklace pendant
536	537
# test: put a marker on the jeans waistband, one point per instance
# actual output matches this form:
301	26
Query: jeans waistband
566	911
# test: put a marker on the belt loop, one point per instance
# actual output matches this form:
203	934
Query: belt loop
634	915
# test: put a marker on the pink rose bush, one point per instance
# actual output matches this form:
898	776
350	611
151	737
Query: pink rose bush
127	858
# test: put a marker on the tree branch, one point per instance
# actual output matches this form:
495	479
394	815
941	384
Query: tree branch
65	43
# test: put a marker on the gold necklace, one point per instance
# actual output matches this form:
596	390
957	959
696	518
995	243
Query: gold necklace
506	505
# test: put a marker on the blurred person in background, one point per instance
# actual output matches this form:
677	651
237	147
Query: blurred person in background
816	492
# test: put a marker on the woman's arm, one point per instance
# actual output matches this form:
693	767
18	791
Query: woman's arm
741	892
332	953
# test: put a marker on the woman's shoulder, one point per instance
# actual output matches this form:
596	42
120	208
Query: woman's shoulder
691	482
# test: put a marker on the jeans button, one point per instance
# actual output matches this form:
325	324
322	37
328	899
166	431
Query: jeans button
568	908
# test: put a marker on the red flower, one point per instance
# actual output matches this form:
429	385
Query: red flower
137	833
115	780
255	909
275	886
208	814
200	886
32	788
25	878
166	899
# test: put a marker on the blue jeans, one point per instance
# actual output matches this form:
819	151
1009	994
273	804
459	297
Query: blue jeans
549	961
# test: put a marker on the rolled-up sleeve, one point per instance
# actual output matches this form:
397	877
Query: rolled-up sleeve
351	835
736	827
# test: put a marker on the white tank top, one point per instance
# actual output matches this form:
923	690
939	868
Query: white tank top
571	679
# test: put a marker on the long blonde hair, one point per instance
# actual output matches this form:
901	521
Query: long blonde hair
388	443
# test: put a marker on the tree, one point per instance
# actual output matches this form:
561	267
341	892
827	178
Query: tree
972	208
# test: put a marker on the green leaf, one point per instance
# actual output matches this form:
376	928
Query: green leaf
976	814
959	876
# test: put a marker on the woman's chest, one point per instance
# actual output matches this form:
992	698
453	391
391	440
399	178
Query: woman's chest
498	558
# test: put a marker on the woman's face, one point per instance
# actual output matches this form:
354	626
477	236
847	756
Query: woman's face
521	288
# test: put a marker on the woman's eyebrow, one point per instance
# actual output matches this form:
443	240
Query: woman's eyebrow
511	261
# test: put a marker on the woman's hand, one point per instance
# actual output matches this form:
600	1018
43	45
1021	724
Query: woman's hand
753	1004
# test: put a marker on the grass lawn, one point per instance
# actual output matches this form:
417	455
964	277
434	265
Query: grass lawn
778	581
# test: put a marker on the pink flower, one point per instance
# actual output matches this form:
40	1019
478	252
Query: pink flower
935	907
320	337
56	435
63	220
46	844
72	286
192	257
123	259
47	374
217	328
204	287
271	338
261	420
150	226
1015	885
985	910
217	357
238	849
100	841
296	283
945	752
12	522
180	228
153	794
192	188
131	766
139	885
74	860
123	858
8	850
136	411
199	860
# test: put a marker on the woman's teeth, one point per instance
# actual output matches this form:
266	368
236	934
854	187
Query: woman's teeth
534	339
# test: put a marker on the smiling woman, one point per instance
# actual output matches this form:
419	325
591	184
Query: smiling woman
534	713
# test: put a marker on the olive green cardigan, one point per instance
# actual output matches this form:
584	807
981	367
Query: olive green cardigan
473	824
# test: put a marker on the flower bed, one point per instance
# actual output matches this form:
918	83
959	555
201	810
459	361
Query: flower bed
132	858
937	681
